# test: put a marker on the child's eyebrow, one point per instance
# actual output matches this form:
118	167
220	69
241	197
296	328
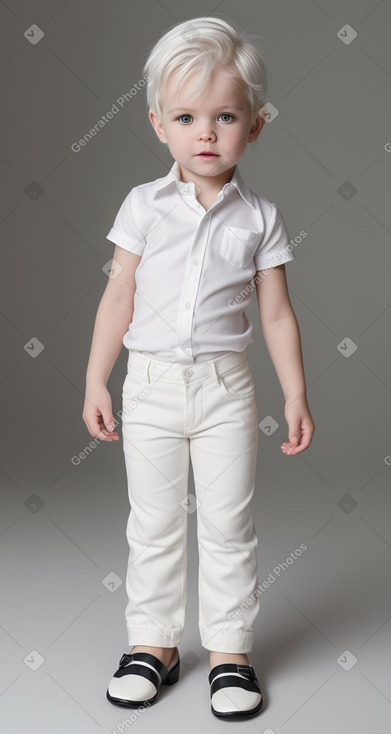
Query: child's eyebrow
234	106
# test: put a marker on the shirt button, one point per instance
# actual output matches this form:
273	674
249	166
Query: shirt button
195	262
188	305
188	373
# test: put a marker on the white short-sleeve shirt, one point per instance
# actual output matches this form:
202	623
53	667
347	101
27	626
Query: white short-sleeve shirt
194	280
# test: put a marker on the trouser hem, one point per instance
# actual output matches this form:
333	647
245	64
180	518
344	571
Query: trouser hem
154	638
234	641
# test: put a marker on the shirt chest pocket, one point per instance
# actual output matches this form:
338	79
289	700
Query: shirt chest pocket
238	245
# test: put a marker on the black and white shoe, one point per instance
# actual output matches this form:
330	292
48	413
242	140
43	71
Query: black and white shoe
138	679
234	690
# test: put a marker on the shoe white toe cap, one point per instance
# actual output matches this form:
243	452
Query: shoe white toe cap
234	699
132	688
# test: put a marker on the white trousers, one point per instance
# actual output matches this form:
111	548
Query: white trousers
171	412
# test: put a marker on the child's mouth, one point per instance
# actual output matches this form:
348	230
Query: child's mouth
207	155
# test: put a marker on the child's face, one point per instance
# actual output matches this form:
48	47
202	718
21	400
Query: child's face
217	120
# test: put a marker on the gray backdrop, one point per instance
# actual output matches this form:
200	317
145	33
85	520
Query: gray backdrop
322	644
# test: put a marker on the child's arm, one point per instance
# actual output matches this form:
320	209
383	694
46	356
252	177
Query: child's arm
282	337
114	314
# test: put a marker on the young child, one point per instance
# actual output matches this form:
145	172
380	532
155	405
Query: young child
191	247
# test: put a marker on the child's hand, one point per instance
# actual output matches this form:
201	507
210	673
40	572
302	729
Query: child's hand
98	413
301	427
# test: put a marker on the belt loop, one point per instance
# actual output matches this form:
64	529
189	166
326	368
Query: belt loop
214	372
147	370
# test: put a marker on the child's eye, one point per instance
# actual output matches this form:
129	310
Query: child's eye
227	114
223	114
180	116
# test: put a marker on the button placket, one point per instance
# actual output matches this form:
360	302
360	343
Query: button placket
189	293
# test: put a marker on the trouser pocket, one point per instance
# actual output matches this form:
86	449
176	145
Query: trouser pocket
238	382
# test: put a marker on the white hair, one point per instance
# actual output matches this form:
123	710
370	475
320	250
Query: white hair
205	42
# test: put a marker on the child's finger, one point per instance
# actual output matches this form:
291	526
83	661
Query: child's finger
109	436
295	448
97	429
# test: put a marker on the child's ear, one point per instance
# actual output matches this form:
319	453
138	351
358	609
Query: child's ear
256	128
157	125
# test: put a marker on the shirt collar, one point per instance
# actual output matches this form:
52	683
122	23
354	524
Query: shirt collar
173	178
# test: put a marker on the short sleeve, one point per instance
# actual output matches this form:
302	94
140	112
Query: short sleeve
126	231
274	248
